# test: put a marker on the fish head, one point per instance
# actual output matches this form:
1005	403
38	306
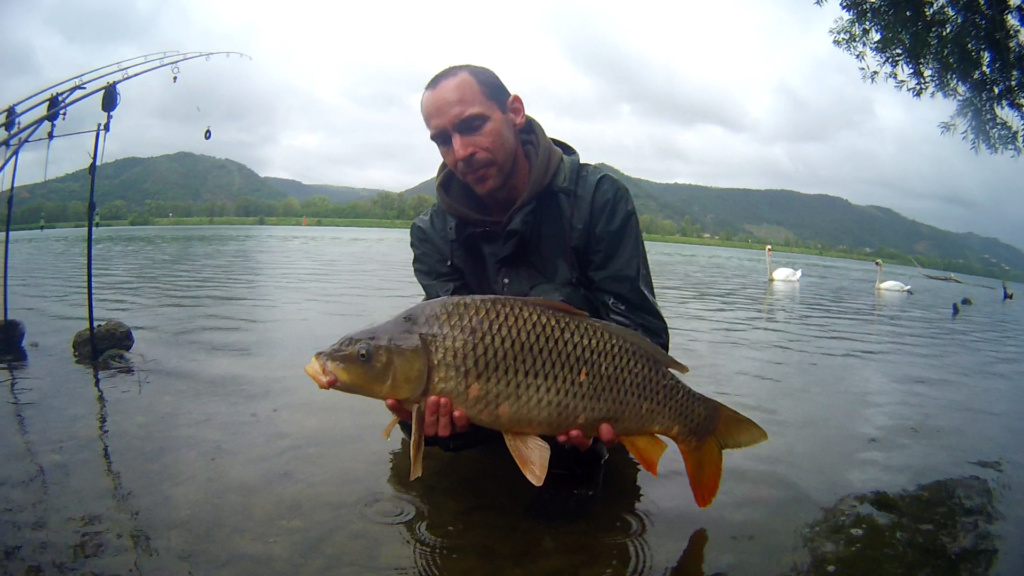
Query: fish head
373	363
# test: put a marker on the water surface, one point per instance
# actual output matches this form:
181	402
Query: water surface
217	455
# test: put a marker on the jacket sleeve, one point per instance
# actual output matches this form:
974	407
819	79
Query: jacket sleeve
616	263
432	256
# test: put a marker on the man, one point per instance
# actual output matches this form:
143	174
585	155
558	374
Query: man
518	214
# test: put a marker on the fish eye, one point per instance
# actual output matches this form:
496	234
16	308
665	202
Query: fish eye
364	352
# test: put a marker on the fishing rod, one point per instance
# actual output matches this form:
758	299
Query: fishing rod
80	79
12	331
56	107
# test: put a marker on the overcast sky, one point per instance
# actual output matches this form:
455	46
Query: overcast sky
749	93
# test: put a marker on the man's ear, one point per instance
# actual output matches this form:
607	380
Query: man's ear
516	110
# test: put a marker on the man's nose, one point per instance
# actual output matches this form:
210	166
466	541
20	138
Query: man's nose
462	147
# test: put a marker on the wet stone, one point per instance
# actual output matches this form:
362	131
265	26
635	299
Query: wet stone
943	527
110	336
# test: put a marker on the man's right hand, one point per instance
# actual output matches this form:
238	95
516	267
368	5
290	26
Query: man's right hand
439	417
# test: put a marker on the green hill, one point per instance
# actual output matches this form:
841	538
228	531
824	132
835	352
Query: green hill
180	177
786	216
339	194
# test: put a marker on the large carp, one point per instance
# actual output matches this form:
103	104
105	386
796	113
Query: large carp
530	367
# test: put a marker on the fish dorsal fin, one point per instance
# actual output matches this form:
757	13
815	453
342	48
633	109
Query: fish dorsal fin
647	449
531	453
646	345
621	331
416	443
556	305
391	426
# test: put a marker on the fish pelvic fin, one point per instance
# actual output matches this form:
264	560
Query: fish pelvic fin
391	426
416	443
647	449
531	453
703	458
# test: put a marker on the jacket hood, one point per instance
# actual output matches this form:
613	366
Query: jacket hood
458	198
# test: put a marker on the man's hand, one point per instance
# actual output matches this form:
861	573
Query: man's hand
605	433
439	418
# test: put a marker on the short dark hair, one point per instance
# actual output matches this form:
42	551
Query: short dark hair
490	85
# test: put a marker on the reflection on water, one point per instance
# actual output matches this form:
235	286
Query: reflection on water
215	454
473	510
84	539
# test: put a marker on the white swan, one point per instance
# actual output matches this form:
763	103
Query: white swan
891	285
780	274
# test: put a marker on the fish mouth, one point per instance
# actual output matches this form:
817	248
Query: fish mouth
315	370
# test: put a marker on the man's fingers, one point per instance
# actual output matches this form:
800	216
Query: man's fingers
461	421
430	409
577	439
444	418
440	418
397	409
607	434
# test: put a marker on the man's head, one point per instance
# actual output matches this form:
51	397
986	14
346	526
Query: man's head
474	121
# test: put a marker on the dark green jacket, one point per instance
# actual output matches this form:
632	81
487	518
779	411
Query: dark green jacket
577	241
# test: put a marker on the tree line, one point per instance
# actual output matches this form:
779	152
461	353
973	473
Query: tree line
383	206
405	207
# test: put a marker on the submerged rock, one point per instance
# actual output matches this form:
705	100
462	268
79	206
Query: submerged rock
943	527
113	335
12	335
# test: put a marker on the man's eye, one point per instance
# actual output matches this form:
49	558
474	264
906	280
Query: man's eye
443	141
472	126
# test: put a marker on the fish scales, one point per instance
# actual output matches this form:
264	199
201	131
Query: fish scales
552	371
529	367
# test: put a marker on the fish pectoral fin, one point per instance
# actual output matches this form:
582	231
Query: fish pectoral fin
391	426
647	449
416	443
703	461
531	453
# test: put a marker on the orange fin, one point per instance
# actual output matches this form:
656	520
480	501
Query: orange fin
703	461
391	426
531	453
416	443
703	458
555	305
647	449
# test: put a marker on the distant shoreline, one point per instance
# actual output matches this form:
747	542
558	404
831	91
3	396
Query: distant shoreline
397	224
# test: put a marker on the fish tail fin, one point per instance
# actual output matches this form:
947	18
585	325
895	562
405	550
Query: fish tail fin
703	461
703	458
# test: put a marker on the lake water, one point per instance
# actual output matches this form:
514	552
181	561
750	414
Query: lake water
218	455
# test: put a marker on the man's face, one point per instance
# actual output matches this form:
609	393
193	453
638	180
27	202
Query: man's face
476	140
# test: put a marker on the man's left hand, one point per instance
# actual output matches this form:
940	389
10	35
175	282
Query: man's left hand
575	438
